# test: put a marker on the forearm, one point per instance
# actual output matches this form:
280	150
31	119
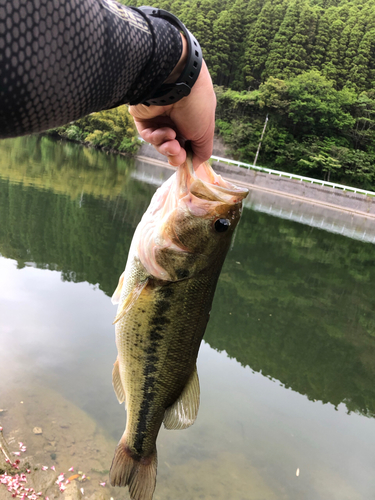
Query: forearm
60	61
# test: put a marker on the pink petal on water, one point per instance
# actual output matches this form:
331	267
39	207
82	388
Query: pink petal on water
71	469
102	484
53	467
44	467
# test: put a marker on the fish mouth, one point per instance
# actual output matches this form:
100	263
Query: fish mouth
205	191
204	183
201	192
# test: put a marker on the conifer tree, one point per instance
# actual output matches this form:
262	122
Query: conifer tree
229	34
259	39
291	48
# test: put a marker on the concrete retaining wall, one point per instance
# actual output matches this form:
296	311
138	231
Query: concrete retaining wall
287	187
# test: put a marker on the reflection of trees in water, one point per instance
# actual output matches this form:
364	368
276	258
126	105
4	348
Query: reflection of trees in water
67	168
301	300
85	237
302	310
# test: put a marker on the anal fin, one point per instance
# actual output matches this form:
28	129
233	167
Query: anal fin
116	382
183	412
130	300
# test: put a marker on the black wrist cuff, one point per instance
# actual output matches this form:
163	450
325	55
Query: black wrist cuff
169	93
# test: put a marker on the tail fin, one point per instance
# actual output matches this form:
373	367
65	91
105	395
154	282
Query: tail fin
140	474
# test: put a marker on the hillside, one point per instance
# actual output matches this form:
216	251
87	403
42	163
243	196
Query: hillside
309	65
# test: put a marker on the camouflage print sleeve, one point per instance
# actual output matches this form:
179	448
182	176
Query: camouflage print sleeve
63	59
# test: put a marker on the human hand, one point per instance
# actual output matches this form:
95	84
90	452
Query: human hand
190	119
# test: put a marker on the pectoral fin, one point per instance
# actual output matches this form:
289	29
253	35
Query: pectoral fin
117	293
130	300
116	382
183	412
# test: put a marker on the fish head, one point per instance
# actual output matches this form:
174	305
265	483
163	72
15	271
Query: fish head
192	228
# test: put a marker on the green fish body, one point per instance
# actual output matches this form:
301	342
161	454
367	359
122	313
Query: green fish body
165	296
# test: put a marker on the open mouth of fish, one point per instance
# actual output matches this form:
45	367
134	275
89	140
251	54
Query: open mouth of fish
188	193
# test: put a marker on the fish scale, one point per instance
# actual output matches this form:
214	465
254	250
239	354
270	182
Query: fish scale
165	296
169	358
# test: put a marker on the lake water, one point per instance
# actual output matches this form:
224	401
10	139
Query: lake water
287	366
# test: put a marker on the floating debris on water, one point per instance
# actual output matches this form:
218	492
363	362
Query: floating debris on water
37	431
297	472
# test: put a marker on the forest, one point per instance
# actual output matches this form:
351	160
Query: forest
307	65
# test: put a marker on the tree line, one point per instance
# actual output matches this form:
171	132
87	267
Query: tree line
246	41
307	64
111	129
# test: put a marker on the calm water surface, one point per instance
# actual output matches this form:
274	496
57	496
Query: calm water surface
286	369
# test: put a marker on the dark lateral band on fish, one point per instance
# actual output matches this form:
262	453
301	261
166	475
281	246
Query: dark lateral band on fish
165	296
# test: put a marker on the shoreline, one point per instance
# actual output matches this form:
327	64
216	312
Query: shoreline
313	194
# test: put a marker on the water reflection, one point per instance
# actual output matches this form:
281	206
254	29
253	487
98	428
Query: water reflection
294	305
302	299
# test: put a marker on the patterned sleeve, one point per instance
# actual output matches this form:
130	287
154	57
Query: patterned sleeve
63	59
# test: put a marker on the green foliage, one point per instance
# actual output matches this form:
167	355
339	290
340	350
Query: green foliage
308	64
112	129
314	129
316	107
246	41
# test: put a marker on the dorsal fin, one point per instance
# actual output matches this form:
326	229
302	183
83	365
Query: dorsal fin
183	412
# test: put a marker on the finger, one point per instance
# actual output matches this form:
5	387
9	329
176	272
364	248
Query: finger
173	151
202	150
157	136
177	160
169	148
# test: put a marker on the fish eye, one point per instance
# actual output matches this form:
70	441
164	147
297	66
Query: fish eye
222	225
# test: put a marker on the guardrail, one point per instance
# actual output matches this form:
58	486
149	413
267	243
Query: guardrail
301	178
287	175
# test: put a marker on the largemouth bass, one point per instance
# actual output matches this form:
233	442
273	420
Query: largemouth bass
165	296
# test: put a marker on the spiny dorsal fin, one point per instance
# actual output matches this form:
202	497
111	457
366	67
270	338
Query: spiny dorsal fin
183	412
130	300
117	293
116	382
